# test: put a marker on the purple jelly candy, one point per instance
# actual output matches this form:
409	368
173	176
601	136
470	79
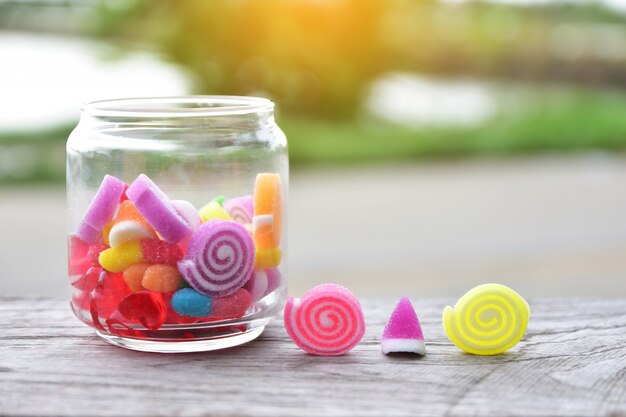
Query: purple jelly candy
101	209
220	258
157	209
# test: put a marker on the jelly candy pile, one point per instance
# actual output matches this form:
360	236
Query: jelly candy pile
139	260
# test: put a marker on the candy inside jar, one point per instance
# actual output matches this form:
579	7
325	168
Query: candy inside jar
145	267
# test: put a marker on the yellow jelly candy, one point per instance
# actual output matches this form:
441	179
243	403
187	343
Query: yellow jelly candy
213	210
267	258
267	210
121	257
488	320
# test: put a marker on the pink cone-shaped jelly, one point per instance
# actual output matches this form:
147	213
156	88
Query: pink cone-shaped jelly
403	332
326	321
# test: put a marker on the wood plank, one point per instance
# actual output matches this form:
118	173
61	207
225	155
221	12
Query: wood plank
572	362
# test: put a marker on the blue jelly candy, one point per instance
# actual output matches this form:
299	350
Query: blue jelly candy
189	302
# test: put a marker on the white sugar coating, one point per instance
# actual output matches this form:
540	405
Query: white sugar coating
403	345
262	220
127	231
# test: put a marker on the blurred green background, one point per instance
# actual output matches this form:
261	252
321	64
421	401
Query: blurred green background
434	145
356	81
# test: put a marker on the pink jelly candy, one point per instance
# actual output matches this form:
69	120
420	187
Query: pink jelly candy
144	307
157	209
94	252
89	280
78	259
101	209
241	209
274	280
233	306
262	282
188	212
403	332
326	321
81	299
159	252
257	285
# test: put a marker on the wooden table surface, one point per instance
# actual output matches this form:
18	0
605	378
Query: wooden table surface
572	362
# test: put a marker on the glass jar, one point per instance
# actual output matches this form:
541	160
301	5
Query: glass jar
176	214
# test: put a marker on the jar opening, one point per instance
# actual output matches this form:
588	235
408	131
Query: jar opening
177	107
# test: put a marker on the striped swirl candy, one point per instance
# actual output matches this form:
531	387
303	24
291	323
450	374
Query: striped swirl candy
488	320
241	209
326	321
220	258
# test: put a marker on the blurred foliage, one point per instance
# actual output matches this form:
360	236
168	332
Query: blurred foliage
319	56
318	59
554	119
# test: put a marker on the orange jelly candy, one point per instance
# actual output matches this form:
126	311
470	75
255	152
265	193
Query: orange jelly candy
161	278
133	275
128	212
267	210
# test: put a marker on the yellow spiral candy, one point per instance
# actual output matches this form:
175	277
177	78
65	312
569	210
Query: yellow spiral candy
488	320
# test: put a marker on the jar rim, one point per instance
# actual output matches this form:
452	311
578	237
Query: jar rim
177	106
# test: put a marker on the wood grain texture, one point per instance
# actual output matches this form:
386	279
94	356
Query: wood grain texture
572	362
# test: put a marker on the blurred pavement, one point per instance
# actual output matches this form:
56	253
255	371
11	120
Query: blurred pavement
548	226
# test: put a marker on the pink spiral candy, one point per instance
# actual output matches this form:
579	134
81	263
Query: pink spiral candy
262	282
101	209
157	209
220	258
326	321
257	285
241	209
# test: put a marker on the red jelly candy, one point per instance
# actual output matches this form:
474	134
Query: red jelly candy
160	252
89	280
78	261
145	307
81	299
110	290
233	306
94	252
118	327
183	245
